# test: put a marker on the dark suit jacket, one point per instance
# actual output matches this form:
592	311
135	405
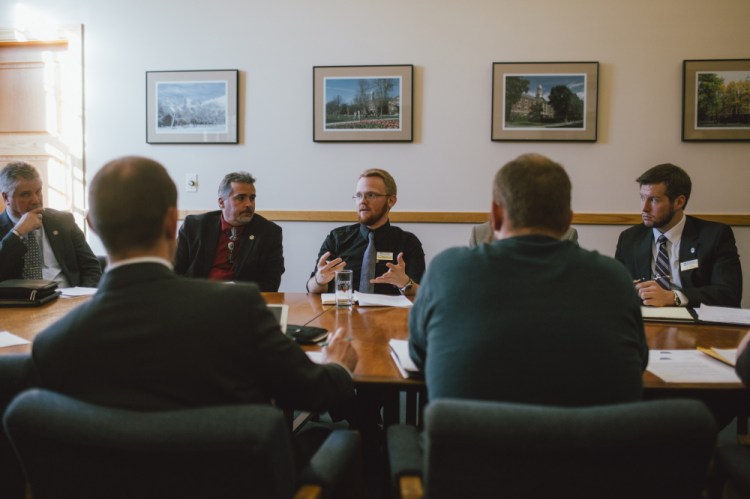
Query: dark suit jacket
717	280
152	340
261	256
77	261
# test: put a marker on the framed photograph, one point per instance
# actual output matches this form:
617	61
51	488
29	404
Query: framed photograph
545	101
363	103
716	100
192	107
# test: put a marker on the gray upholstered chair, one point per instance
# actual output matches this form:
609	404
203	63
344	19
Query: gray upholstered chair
16	375
733	463
491	449
70	448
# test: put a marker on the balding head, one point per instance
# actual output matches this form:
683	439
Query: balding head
534	192
130	202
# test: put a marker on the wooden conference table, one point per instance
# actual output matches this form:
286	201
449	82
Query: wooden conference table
372	327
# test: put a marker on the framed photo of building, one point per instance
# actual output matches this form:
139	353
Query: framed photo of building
716	100
363	103
192	107
545	101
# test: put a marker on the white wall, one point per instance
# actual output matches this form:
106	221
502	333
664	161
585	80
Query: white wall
640	45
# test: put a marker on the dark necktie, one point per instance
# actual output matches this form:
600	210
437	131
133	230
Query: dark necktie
662	263
32	266
368	266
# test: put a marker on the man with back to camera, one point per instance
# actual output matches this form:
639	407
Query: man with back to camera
233	243
150	339
518	319
676	259
394	251
38	242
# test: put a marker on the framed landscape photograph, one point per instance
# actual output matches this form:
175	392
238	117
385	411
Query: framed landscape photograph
192	107
545	101
716	100
363	103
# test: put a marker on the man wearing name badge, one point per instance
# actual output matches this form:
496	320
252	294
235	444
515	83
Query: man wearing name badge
38	242
233	243
673	258
519	319
150	339
384	259
483	234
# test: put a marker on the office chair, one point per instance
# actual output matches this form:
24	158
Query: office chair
492	449
16	375
733	464
69	448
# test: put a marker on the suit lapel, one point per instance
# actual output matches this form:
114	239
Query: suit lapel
643	254
210	237
249	237
5	222
689	244
52	230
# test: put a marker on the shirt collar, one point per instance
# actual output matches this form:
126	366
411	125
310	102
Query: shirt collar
140	259
365	231
674	234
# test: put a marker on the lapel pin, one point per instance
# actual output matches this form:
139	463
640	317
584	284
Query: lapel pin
251	237
692	250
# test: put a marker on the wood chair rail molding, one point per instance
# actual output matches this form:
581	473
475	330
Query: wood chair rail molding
467	217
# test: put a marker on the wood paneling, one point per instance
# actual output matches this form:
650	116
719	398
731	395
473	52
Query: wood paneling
468	217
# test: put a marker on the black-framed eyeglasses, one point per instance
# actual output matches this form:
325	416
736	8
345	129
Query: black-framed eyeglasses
230	245
369	196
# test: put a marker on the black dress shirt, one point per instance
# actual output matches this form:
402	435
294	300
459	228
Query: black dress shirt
350	241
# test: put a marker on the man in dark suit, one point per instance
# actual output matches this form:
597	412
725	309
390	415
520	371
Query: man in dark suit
64	255
676	259
234	243
150	339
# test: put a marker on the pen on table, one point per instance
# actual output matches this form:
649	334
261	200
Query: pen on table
715	355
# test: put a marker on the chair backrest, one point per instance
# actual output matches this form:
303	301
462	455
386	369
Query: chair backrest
70	448
645	449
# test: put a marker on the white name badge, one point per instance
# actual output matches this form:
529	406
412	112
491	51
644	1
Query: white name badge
384	255
690	264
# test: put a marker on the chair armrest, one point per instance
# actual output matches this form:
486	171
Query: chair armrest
406	460
336	464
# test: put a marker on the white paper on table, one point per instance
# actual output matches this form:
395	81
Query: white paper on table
728	315
375	300
10	340
689	366
78	291
666	313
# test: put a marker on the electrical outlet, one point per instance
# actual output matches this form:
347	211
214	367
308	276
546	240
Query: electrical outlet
191	182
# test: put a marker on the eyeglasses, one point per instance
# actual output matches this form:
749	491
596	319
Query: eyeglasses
369	196
230	245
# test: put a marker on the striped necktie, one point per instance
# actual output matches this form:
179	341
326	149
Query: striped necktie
32	261
368	266
662	263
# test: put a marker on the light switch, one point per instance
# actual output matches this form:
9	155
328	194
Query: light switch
191	182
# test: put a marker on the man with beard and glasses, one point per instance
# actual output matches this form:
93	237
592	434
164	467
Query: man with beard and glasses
233	243
397	259
676	259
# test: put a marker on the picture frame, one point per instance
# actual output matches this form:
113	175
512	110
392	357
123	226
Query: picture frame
363	103
545	101
716	100
192	107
